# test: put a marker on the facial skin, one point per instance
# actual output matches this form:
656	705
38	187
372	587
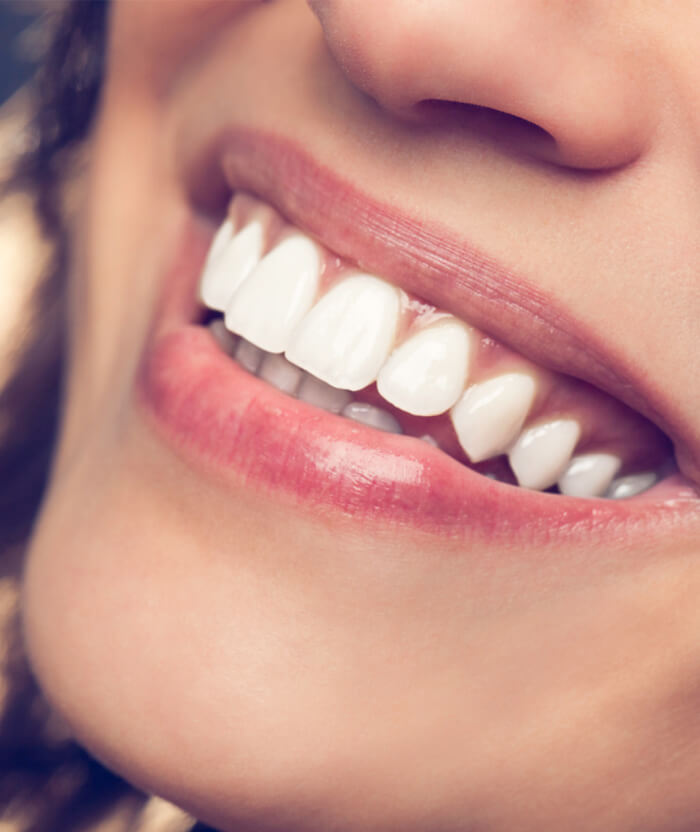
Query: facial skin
271	666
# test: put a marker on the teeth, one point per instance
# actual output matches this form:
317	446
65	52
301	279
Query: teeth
230	262
426	375
631	485
491	414
277	371
249	356
373	417
347	336
277	294
320	394
223	337
589	475
321	351
540	455
221	238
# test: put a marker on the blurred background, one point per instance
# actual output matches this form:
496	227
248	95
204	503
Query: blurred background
18	44
21	250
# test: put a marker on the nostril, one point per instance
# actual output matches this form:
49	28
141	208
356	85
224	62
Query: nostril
490	123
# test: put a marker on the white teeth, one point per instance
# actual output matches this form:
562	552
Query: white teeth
426	375
347	336
372	416
249	356
322	351
320	394
230	264
631	485
277	294
490	414
219	241
226	340
541	454
589	475
277	371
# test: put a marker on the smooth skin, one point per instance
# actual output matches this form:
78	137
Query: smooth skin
271	668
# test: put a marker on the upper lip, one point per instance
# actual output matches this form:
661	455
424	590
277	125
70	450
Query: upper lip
432	262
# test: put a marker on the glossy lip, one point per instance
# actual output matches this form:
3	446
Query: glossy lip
431	262
242	432
233	425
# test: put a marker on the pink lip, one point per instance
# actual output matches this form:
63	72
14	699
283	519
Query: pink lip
432	262
227	420
234	427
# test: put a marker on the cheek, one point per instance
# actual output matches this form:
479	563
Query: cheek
150	41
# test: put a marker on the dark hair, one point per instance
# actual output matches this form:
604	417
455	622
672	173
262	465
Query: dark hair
66	93
46	782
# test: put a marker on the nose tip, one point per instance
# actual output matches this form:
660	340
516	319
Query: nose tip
529	74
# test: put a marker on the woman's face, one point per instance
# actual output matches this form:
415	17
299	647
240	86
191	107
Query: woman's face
480	222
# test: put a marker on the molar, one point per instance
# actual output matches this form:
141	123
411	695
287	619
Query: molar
426	374
631	485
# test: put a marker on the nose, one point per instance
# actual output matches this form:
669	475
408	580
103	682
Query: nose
561	79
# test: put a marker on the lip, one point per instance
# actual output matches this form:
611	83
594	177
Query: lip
235	427
432	262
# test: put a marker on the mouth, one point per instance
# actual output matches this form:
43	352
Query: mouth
311	363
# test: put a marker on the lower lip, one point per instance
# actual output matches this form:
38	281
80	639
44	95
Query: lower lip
225	421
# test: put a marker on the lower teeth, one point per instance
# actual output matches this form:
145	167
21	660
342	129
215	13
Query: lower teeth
281	374
631	485
373	417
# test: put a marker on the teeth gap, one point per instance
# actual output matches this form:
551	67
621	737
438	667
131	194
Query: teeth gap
275	370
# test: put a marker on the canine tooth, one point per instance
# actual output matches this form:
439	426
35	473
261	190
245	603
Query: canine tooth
373	417
541	454
277	294
249	356
631	485
589	475
230	264
318	393
426	375
277	371
347	336
225	339
490	415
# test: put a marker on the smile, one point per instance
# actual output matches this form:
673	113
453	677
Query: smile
301	372
354	344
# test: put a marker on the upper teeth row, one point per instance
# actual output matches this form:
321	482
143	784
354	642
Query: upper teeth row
348	336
